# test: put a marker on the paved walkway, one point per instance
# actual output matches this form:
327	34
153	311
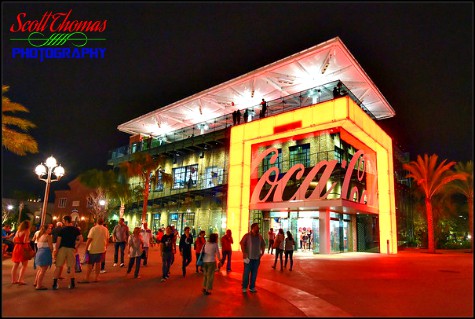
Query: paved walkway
409	284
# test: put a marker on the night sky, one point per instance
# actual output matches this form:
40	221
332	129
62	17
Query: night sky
419	55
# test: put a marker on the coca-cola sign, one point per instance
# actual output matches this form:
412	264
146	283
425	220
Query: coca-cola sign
361	163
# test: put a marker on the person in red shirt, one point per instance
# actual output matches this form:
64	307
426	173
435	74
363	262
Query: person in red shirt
226	242
199	242
160	234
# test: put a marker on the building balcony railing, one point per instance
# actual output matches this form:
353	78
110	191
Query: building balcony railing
163	144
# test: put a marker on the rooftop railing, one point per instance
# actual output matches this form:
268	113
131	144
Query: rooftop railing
301	99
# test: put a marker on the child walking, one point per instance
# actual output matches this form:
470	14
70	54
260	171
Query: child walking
135	252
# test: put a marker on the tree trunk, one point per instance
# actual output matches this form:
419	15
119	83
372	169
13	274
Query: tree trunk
122	210
430	227
145	197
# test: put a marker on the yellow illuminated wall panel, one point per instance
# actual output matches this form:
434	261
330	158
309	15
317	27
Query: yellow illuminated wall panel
341	112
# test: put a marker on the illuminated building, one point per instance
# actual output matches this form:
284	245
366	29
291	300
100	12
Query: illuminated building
317	161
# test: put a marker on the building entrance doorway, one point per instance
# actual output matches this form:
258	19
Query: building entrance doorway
304	226
181	220
339	232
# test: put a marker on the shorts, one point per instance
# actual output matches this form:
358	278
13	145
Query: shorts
66	255
94	258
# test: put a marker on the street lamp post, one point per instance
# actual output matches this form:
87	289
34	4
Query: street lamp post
51	167
102	205
20	208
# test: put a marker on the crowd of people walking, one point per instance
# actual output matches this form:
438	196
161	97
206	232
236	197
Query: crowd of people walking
59	245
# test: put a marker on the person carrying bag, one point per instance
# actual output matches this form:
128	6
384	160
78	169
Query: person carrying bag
199	262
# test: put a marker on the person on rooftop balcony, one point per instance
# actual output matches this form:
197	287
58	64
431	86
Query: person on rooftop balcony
262	114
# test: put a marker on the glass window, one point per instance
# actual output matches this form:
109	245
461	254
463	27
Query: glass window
213	176
278	163
191	175
186	176
300	154
62	202
338	154
179	175
158	183
335	215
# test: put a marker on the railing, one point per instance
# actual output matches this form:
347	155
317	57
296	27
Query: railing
301	99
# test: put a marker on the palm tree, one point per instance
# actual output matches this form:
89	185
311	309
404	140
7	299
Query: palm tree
465	187
431	178
110	184
122	191
16	142
149	170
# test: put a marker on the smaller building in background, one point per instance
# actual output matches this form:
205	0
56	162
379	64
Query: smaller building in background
75	202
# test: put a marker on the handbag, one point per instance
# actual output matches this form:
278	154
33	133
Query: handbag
28	252
86	258
199	262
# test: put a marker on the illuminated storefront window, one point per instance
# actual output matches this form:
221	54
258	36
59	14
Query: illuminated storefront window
186	176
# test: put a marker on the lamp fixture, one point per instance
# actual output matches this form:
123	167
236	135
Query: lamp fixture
50	167
203	127
326	63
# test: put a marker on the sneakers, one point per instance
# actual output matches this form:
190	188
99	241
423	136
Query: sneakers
115	265
253	290
55	286
122	265
244	290
102	271
163	279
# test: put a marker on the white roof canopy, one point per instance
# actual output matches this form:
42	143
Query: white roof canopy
318	65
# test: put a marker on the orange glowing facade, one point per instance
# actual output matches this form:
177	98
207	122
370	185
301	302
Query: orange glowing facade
315	164
339	120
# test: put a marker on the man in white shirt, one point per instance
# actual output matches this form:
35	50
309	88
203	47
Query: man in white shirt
96	244
120	235
146	234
